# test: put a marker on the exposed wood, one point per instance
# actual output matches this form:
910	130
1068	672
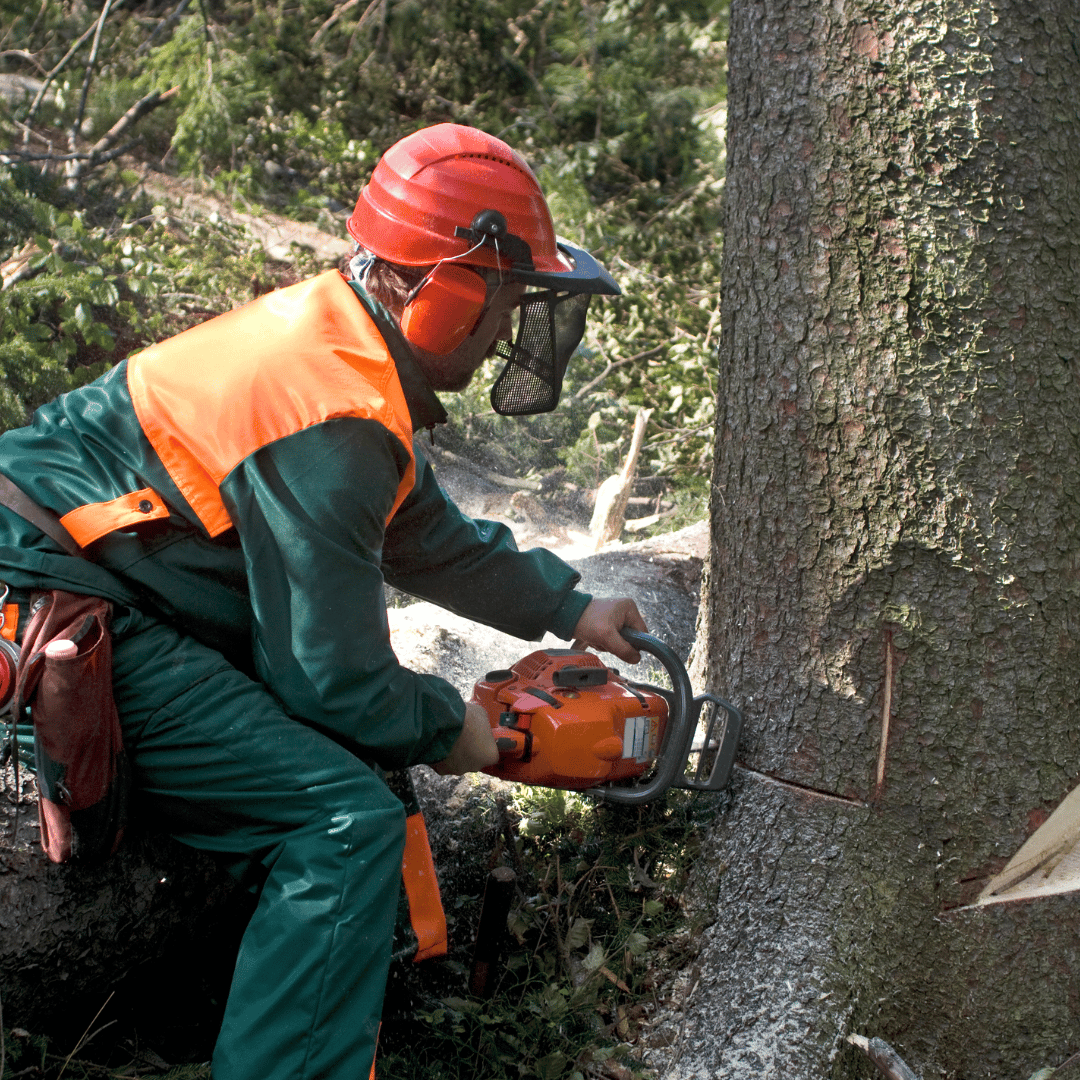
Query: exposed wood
1047	864
888	1061
609	514
643	523
17	267
886	715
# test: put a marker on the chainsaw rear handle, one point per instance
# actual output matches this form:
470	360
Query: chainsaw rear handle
680	726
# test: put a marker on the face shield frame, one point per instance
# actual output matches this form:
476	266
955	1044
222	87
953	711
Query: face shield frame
551	324
550	327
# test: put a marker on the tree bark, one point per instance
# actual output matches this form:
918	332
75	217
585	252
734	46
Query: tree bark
892	593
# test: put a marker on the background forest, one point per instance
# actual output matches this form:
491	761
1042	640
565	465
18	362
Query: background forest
283	107
287	106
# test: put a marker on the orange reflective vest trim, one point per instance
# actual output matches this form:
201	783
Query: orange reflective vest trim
92	521
422	890
213	395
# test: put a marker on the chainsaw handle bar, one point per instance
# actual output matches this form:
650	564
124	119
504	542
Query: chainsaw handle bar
680	726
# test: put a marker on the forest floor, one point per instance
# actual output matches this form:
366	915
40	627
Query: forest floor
167	1012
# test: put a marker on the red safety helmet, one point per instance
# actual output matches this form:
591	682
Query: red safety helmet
437	180
453	196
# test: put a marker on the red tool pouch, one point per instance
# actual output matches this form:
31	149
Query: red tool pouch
82	772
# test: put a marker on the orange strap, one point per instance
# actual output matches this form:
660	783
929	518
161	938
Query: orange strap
91	522
422	889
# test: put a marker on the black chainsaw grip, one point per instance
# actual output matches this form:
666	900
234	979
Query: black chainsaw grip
680	726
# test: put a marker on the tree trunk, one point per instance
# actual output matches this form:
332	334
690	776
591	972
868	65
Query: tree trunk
892	595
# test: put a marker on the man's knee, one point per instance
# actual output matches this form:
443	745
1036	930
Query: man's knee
359	813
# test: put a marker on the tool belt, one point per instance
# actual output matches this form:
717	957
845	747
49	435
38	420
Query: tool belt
64	677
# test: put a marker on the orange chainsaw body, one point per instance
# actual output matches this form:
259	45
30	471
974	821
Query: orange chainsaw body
561	718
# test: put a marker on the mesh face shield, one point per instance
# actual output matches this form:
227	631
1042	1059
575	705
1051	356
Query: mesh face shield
549	330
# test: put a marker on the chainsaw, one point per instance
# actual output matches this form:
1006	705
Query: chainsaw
563	719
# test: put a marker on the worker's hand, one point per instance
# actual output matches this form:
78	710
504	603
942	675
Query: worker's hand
475	747
601	622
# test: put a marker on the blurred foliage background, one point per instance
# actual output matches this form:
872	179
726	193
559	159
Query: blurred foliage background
285	105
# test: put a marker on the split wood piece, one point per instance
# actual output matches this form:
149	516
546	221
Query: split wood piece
641	524
888	1061
1047	864
491	932
17	267
609	514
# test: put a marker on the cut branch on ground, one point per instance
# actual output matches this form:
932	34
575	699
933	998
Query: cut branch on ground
614	365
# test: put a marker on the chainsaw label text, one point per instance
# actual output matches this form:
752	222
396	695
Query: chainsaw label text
640	737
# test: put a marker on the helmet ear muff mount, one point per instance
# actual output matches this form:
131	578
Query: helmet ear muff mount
443	309
489	228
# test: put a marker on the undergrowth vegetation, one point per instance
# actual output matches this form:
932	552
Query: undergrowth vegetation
604	905
287	105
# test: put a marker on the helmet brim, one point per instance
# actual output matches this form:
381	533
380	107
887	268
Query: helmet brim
584	275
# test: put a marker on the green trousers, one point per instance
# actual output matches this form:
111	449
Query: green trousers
226	770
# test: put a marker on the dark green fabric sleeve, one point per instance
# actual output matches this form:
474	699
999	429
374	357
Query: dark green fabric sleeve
310	511
474	568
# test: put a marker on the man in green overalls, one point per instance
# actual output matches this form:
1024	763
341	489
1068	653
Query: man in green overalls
241	493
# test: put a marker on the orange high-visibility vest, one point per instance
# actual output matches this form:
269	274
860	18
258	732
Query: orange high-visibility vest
211	396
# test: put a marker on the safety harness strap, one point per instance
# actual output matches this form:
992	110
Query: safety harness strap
14	498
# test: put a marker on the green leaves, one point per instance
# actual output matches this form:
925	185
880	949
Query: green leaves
289	106
577	936
590	938
95	292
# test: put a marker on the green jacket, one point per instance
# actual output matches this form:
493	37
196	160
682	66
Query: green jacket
322	509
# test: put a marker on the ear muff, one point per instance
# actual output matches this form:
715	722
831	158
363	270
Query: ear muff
444	309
